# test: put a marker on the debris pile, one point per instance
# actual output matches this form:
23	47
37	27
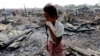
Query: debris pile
76	51
23	38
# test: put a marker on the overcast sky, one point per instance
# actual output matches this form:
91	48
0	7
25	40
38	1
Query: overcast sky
41	3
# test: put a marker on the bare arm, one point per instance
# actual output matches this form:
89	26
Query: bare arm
55	39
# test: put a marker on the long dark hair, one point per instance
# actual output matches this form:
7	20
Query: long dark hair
51	10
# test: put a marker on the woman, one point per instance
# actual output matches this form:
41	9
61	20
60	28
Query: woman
55	31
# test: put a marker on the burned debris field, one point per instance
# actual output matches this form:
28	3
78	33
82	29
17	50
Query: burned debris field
24	34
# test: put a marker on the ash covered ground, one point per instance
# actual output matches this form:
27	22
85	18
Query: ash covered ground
86	36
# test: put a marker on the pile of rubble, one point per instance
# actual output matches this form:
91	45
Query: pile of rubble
82	26
76	51
23	38
82	38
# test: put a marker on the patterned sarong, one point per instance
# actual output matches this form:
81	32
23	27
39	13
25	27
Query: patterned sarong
54	50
